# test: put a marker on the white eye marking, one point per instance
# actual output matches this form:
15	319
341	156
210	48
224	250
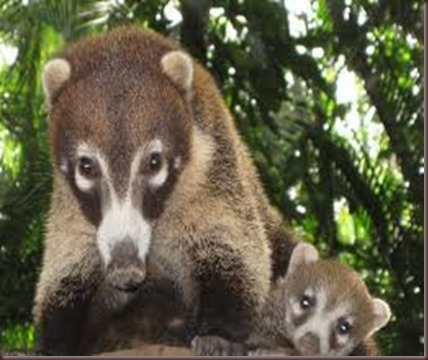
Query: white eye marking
64	166
295	307
84	183
155	146
296	302
159	179
342	339
177	162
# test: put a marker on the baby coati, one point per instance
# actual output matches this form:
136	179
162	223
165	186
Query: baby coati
321	307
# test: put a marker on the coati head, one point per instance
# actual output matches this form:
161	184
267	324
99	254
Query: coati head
325	306
121	131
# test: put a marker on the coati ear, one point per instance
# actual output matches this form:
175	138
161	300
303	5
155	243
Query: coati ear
381	315
55	73
303	253
178	66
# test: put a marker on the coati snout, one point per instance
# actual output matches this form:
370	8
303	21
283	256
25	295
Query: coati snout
126	271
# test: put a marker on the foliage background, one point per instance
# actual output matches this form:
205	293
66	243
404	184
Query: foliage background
327	94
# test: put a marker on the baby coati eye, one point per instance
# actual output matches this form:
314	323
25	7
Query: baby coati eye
307	301
343	327
88	167
155	162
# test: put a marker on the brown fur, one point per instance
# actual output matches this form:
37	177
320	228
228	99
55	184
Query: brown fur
213	235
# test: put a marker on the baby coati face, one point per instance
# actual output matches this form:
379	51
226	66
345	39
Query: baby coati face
328	309
121	133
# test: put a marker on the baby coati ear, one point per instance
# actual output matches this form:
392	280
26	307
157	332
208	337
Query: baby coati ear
178	66
381	314
303	254
55	73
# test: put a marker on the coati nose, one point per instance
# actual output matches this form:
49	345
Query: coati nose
126	272
309	344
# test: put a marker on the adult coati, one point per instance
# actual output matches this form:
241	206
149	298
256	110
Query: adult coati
156	209
320	308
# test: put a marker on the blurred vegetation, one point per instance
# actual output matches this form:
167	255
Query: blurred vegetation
328	95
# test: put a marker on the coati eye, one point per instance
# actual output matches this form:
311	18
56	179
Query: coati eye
307	301
88	167
343	327
155	162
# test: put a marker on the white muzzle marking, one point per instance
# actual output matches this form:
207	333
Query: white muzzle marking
122	221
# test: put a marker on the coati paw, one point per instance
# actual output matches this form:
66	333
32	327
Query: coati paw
216	346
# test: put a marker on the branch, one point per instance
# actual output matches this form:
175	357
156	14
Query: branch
385	107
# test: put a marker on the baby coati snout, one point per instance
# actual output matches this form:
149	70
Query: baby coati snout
126	271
